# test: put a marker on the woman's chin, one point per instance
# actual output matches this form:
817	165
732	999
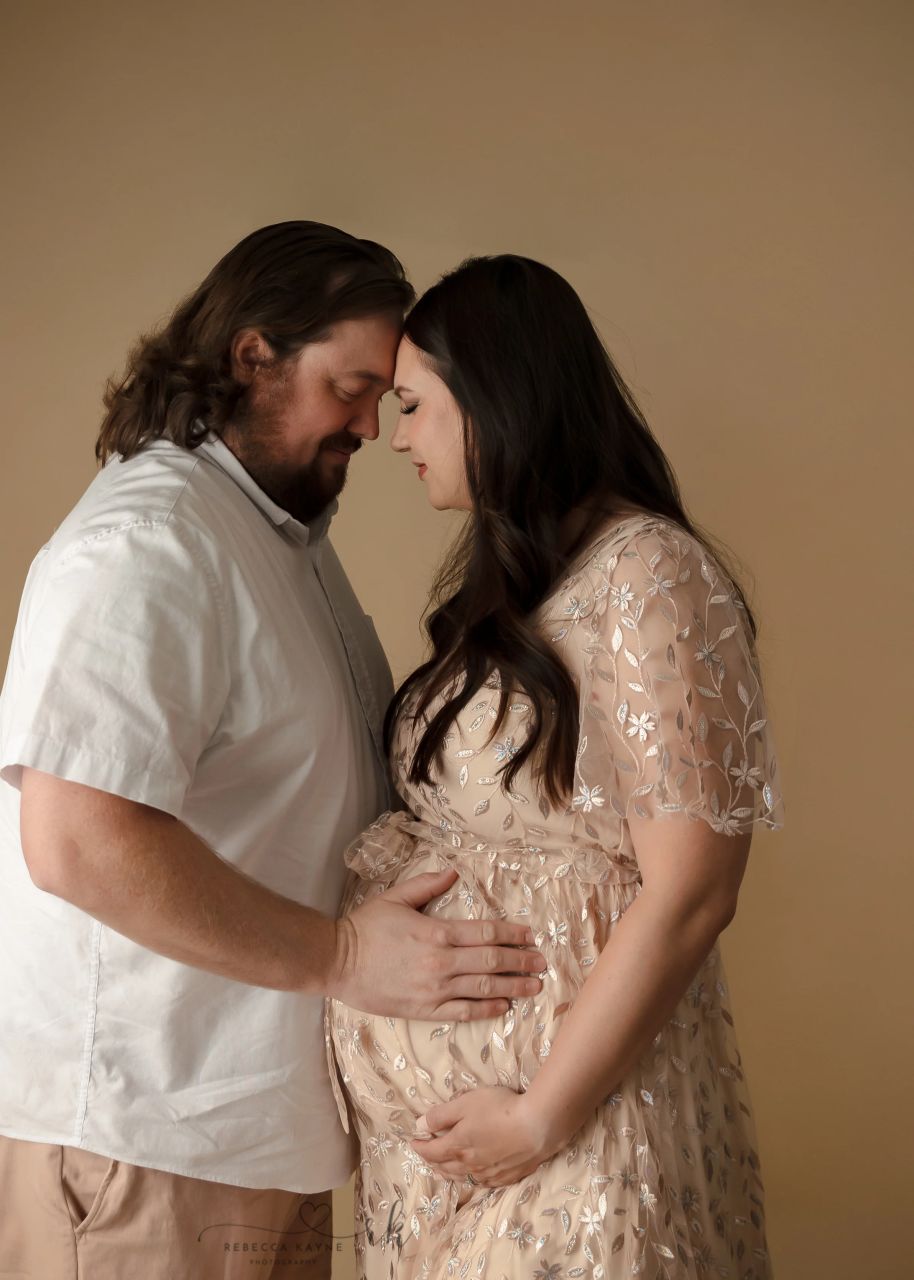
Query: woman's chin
446	503
437	501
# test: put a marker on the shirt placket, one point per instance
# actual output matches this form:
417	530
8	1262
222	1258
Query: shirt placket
359	670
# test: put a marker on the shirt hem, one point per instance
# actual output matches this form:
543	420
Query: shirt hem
312	1187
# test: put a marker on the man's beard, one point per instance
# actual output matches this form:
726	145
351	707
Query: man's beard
303	491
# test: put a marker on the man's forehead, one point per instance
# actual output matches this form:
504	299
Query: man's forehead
364	350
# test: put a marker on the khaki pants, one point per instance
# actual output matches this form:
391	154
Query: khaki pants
66	1214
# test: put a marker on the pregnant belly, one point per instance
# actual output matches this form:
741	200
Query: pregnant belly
394	1069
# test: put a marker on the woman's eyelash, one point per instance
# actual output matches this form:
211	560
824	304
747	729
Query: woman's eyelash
408	408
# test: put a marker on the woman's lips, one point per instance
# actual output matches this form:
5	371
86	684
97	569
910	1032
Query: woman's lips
422	469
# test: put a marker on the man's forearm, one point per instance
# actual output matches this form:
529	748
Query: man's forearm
146	875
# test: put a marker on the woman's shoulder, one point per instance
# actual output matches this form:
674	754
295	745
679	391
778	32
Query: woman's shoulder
625	536
639	529
574	593
636	553
649	546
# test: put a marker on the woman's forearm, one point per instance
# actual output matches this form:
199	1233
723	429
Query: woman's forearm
644	970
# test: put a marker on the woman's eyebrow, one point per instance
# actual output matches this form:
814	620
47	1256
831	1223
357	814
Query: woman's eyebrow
399	390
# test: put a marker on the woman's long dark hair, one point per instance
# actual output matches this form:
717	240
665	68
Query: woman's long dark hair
292	282
549	428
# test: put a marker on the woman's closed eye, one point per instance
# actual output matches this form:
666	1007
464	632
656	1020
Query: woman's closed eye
409	408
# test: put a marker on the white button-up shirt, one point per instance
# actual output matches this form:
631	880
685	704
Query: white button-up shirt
184	642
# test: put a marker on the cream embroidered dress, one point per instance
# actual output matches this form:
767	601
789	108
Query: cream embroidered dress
663	1180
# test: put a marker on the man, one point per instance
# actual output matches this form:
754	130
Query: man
190	735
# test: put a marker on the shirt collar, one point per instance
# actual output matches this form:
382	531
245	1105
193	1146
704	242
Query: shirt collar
217	451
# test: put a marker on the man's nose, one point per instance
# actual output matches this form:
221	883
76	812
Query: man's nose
367	424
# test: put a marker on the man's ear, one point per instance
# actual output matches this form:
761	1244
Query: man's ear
249	352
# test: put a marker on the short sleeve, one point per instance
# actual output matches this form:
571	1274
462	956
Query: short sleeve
673	710
118	673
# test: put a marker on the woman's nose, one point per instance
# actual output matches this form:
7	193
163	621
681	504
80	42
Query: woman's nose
398	441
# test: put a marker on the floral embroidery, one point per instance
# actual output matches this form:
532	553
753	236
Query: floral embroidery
588	798
575	608
647	1197
641	725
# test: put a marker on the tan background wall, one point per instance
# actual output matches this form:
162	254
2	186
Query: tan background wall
728	185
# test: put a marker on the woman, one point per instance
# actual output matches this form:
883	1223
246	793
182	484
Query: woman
587	746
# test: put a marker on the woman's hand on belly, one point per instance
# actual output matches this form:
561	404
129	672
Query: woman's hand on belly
493	1134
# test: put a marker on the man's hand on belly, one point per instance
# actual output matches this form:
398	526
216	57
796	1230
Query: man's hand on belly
394	961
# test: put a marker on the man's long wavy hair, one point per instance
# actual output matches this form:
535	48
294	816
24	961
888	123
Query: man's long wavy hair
292	282
549	427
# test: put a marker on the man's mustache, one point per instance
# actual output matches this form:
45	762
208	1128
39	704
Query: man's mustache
346	442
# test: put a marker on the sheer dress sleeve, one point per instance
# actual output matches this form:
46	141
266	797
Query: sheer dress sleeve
673	714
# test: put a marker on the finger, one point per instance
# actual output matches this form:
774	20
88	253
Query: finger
425	1132
453	1170
470	1010
418	890
497	960
436	1150
474	933
486	986
444	1115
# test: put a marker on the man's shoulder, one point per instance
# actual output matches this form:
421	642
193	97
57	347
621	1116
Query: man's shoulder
147	519
163	488
162	480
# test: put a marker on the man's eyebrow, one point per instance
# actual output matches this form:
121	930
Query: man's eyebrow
369	377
